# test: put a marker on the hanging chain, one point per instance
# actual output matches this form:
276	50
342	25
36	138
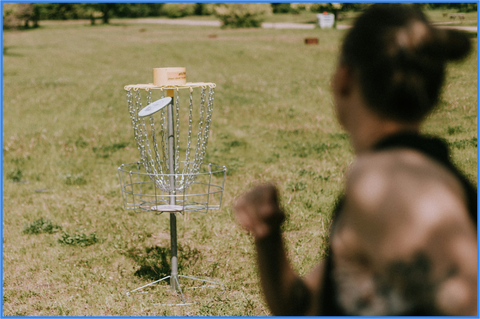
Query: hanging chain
139	127
197	161
148	159
149	97
159	162
206	133
134	119
186	166
177	132
154	136
141	136
165	137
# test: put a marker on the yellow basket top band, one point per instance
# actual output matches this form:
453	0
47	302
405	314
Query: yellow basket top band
150	86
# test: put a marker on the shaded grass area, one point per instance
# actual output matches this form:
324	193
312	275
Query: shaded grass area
67	129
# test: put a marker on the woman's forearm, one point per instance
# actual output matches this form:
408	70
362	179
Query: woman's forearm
285	292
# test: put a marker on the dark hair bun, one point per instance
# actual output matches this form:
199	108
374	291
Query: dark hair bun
454	44
400	59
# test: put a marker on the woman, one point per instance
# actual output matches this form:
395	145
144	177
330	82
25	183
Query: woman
403	237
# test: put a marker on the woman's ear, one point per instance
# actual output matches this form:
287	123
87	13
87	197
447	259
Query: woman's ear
342	81
342	89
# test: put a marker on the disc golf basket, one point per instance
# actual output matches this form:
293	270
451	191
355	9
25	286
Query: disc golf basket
160	181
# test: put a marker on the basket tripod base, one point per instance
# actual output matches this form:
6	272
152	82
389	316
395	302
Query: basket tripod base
182	290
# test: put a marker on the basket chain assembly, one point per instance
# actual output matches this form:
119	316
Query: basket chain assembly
157	165
160	182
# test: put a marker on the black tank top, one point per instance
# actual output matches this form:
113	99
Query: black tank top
435	149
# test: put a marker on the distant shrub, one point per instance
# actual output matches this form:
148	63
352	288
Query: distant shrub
42	225
80	142
15	175
9	17
178	10
459	7
296	186
104	151
282	8
17	14
204	9
81	240
233	143
242	15
76	179
297	6
462	144
454	130
134	10
321	7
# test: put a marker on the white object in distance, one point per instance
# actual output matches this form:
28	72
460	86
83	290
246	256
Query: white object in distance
154	107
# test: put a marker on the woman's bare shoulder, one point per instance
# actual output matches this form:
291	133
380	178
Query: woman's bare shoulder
402	192
401	208
405	181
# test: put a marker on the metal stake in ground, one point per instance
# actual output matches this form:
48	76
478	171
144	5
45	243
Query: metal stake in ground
173	217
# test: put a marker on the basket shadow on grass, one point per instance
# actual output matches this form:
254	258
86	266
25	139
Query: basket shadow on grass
154	266
154	261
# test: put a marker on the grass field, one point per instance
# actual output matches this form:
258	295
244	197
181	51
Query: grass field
66	129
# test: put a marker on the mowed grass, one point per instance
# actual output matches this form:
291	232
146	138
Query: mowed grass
66	129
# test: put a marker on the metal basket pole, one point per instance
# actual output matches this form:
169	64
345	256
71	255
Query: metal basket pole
173	217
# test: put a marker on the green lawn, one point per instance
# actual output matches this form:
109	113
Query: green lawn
66	129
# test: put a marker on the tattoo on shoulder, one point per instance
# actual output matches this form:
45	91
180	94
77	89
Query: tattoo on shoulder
403	288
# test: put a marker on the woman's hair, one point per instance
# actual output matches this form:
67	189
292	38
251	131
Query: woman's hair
399	59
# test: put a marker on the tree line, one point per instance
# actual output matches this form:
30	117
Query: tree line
26	15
